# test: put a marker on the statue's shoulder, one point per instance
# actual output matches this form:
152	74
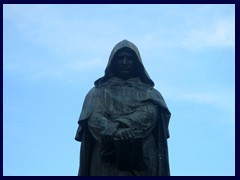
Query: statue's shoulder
95	91
155	94
154	91
92	90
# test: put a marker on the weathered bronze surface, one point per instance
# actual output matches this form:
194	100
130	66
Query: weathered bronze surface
123	126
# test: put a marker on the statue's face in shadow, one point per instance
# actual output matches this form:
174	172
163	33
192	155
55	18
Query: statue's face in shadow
124	64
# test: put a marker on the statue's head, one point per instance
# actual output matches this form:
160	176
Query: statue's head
125	62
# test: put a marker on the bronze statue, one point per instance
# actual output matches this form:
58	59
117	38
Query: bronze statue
123	126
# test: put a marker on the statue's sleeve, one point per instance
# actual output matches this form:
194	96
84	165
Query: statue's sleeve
94	112
143	118
92	116
96	123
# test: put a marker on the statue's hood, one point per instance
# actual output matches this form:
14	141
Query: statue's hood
142	72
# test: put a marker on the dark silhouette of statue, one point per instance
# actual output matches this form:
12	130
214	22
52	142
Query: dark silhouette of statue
123	126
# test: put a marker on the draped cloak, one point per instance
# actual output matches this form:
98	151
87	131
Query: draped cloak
133	103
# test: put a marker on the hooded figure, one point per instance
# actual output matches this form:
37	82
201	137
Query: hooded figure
123	126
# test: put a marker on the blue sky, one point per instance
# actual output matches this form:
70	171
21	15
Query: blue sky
52	54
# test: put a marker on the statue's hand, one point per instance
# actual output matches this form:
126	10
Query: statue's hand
124	134
109	131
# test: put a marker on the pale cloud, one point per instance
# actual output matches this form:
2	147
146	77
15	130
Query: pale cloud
45	26
68	41
34	70
199	27
219	34
97	63
220	98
